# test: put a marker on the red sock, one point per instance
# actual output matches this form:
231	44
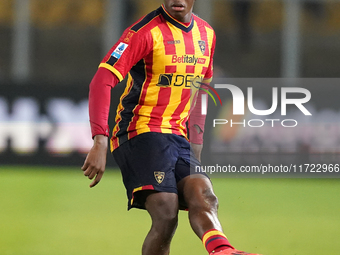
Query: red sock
221	248
214	240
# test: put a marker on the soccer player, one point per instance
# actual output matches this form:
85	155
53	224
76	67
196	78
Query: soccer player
166	54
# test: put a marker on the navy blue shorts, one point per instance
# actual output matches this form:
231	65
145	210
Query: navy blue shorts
153	161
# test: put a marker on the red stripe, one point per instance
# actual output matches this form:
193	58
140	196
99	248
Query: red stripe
114	142
189	43
170	69
168	39
148	187
190	69
204	70
204	37
156	119
219	241
180	108
132	134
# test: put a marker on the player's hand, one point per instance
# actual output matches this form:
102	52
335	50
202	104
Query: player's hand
197	149
95	162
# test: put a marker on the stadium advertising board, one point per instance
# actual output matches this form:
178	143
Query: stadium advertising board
44	124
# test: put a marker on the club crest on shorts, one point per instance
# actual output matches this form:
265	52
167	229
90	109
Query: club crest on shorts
202	46
159	176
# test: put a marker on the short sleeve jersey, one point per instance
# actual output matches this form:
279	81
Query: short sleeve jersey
163	59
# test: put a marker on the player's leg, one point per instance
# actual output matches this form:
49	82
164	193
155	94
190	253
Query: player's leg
197	192
202	203
163	210
147	164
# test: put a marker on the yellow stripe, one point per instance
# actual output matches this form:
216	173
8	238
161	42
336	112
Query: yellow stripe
175	95
152	91
210	35
180	48
176	92
137	189
207	81
158	54
196	36
112	69
212	233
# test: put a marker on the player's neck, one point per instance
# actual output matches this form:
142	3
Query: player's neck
186	19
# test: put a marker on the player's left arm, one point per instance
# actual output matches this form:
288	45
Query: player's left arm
196	126
197	119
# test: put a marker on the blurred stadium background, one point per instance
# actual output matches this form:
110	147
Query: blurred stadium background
49	51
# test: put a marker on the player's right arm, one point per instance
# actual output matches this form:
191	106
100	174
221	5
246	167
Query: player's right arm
131	48
99	105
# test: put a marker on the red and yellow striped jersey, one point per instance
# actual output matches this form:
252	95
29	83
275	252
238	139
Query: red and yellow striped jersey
163	59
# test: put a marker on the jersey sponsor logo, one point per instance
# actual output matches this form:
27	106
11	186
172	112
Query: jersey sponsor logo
202	46
117	53
174	42
159	176
188	59
166	80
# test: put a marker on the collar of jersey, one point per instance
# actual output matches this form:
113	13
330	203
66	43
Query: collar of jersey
174	22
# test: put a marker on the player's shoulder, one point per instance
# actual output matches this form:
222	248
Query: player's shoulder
201	22
147	22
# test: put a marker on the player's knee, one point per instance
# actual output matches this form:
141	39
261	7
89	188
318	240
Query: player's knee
167	215
210	199
205	200
163	209
165	220
213	200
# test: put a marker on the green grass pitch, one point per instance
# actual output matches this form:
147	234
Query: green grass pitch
53	211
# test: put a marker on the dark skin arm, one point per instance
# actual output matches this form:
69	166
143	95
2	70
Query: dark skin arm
197	149
95	162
